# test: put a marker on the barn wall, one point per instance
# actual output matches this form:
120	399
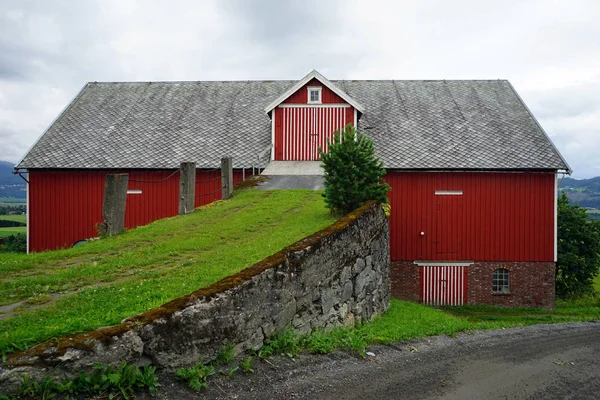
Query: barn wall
499	216
65	206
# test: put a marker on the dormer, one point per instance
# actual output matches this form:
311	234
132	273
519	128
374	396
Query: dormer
306	116
314	85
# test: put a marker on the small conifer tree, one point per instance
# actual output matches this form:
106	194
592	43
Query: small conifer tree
353	174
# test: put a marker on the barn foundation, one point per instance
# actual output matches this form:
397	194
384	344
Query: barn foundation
531	283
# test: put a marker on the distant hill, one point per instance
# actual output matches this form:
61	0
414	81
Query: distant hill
585	192
11	185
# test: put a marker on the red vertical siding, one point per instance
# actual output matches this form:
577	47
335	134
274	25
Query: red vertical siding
499	216
300	131
66	206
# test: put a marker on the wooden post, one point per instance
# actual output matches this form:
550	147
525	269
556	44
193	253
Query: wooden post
226	177
187	187
113	204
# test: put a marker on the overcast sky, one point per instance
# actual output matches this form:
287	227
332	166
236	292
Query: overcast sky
549	50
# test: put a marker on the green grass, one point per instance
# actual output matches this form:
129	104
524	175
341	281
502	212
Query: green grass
597	284
108	280
19	218
13	230
406	320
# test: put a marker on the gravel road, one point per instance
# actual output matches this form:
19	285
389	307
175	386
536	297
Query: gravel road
560	361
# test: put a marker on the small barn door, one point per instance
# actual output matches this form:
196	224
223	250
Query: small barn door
443	285
300	131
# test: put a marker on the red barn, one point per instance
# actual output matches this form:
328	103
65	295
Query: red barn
473	174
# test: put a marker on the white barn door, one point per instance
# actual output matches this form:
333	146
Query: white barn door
443	285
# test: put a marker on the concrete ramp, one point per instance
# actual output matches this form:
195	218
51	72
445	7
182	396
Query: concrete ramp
292	175
293	168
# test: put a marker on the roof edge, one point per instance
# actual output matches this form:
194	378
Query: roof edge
568	167
478	170
55	120
314	75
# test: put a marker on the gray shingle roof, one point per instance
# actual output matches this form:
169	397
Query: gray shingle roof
414	124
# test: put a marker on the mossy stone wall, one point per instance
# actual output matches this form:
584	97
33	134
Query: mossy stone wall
338	276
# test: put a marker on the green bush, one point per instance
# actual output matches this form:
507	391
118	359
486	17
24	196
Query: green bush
578	250
353	174
10	224
14	243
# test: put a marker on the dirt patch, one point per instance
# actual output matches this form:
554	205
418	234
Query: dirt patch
11	310
537	362
250	182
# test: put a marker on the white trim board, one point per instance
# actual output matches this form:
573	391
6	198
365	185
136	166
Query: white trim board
555	217
444	264
314	75
273	135
448	192
314	105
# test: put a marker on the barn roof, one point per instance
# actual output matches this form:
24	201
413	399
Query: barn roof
414	124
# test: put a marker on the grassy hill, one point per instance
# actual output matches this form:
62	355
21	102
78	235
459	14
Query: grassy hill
7	231
50	294
12	187
585	192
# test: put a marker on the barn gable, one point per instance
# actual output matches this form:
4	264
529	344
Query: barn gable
295	95
306	116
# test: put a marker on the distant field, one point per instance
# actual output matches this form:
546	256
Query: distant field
597	283
19	218
12	201
4	232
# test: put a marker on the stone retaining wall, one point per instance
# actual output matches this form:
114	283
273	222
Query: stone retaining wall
338	276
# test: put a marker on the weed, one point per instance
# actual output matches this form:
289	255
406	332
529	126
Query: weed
101	382
264	352
320	343
246	365
225	356
229	372
196	376
354	340
286	343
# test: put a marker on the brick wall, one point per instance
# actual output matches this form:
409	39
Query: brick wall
531	283
405	280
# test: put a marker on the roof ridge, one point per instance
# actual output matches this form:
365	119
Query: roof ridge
295	80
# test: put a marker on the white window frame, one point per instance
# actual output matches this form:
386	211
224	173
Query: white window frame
501	281
319	90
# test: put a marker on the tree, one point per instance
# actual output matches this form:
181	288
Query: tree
353	174
578	250
14	243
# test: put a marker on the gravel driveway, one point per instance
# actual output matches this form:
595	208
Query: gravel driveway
560	361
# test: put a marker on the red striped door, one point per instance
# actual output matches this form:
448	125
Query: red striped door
443	285
302	130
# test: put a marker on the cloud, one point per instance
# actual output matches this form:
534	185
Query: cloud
549	51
